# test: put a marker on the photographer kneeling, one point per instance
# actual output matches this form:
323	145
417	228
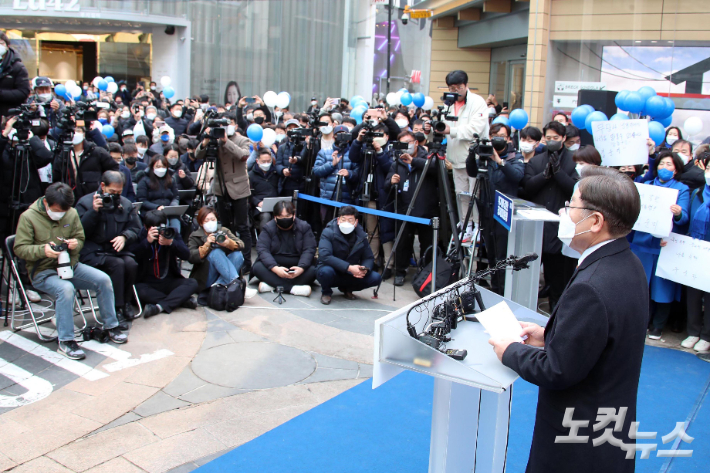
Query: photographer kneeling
47	229
214	252
161	285
286	248
110	225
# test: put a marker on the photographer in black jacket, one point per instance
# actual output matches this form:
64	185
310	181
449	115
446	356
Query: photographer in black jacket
505	171
14	79
290	164
111	225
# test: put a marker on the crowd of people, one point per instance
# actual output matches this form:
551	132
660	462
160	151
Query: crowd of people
85	192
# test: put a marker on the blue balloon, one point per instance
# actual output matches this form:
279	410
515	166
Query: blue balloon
103	85
619	99
109	79
168	92
356	98
594	117
655	106
107	131
588	107
418	99
518	118
405	99
358	104
657	132
646	92
633	102
579	115
60	90
666	122
255	132
670	107
619	116
502	119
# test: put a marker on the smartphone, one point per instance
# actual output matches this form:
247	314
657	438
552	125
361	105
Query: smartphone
505	104
249	99
363	268
335	102
290	271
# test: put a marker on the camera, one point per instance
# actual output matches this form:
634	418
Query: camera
483	148
449	98
95	333
60	247
166	232
297	136
26	119
405	18
399	148
219	237
111	201
64	269
342	140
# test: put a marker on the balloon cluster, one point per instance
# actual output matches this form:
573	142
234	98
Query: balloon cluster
168	90
70	90
403	97
281	100
645	102
584	115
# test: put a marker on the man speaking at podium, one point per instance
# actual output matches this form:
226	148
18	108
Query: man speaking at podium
588	357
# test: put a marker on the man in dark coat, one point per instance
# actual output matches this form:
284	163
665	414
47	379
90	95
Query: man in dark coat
549	181
109	230
264	182
587	360
14	79
344	257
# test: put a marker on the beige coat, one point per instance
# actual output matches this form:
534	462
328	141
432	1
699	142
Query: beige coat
233	155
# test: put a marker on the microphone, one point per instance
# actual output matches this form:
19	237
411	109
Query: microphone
522	262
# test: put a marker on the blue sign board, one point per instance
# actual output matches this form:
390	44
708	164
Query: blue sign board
503	210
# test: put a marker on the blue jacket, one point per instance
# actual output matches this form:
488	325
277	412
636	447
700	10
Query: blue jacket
295	181
328	174
334	250
647	243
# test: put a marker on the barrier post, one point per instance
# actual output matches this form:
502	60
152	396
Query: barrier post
295	202
434	251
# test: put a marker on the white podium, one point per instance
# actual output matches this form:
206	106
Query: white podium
472	397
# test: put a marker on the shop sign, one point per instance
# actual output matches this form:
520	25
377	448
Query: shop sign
44	5
571	87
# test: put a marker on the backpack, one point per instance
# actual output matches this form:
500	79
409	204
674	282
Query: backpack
445	273
227	297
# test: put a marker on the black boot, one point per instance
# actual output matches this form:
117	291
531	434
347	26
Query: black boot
122	322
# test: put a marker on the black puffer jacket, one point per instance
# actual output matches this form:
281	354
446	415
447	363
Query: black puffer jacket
427	204
335	251
14	82
263	184
270	242
93	162
163	195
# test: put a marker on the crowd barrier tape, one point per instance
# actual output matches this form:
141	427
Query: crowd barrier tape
365	210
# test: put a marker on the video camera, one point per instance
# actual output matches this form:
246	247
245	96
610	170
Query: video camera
342	140
26	119
75	115
370	134
166	232
217	130
111	202
483	149
398	147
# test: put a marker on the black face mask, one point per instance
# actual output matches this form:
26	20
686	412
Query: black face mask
259	120
631	174
131	161
284	222
554	146
191	156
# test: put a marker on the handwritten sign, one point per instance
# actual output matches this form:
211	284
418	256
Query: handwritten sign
621	142
685	260
656	217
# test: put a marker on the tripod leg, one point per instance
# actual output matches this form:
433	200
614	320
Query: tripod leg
443	178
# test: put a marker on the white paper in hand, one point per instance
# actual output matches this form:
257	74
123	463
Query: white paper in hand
500	322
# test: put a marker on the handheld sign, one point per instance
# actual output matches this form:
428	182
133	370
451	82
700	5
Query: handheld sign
656	217
621	142
685	260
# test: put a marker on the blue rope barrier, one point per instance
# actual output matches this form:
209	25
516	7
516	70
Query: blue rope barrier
365	210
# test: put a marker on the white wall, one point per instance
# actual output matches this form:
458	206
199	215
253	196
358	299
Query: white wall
364	57
171	57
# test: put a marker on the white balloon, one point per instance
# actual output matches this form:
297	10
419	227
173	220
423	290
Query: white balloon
96	80
392	98
693	126
282	100
112	87
269	137
165	81
428	103
270	99
70	84
399	96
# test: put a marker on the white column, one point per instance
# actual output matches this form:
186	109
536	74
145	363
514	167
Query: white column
172	57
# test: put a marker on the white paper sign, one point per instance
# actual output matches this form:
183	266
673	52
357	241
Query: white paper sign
500	322
685	260
656	217
621	142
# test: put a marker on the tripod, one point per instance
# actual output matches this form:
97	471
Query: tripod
457	253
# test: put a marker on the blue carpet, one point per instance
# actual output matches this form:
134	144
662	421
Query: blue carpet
387	430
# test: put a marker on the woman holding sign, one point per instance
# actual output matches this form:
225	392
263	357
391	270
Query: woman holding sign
699	322
647	247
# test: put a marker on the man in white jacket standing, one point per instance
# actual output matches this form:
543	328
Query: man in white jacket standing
472	113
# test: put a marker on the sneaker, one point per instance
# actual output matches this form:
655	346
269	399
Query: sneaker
303	290
122	322
399	280
702	345
250	292
150	310
654	333
189	304
128	312
689	342
467	236
32	295
117	336
263	287
71	350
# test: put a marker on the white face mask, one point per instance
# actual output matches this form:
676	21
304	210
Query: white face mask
151	116
671	139
380	140
45	97
280	138
684	157
125	114
211	226
160	172
230	130
346	228
567	229
141	150
3	50
177	113
374	122
278	114
491	112
141	113
314	102
78	138
526	147
265	166
707	178
326	130
411	149
56	216
250	117
574	147
173	161
402	123
123	88
578	168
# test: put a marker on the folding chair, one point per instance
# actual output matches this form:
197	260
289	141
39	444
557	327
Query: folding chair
96	307
469	247
18	287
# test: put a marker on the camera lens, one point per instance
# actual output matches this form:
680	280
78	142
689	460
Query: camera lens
220	238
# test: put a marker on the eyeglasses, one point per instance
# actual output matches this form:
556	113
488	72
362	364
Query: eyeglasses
568	206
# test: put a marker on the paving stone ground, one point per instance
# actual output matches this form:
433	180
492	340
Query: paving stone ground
229	378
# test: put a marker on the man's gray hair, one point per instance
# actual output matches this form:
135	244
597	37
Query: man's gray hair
614	195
